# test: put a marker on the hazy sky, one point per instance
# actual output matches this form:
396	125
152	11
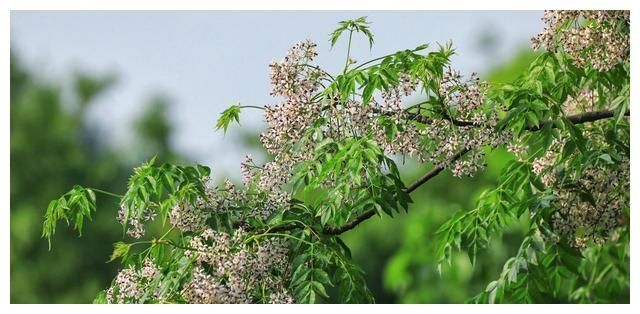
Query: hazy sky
205	61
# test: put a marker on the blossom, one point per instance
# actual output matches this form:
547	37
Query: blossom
136	225
582	221
602	42
130	285
187	217
236	268
245	167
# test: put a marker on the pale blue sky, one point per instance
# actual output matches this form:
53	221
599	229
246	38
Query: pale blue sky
206	61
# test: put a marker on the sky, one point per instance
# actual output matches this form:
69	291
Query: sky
204	61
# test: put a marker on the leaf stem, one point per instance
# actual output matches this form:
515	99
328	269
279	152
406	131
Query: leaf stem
106	193
380	58
346	63
249	106
285	235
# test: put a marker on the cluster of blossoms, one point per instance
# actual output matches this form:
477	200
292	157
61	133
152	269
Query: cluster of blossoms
131	285
406	140
248	175
585	101
463	97
435	141
518	150
241	204
191	217
582	221
590	204
466	125
296	81
596	38
249	202
228	270
542	166
188	217
136	225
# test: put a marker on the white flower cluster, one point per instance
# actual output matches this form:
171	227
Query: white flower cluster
187	217
136	225
245	167
296	81
280	298
589	205
241	204
586	100
596	38
518	149
543	166
391	125
131	285
582	221
262	203
290	78
229	271
192	217
469	165
407	139
465	98
464	101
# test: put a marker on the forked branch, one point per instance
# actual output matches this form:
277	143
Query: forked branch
575	119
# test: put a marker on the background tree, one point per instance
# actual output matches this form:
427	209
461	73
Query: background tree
53	147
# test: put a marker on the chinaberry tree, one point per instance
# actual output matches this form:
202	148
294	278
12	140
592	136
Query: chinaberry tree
333	137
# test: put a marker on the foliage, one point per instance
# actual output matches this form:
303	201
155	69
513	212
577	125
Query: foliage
74	206
227	116
359	25
334	140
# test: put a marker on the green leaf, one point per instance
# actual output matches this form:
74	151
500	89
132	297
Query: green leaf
359	25
533	118
120	249
576	135
322	276
71	207
227	116
319	288
606	158
101	298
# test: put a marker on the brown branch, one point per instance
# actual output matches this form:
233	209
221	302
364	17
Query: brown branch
350	225
426	120
368	214
435	171
580	118
575	119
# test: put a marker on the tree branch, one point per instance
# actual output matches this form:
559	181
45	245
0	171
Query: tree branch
580	118
435	171
368	214
424	119
575	119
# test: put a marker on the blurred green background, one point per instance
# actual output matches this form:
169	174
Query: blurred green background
53	147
